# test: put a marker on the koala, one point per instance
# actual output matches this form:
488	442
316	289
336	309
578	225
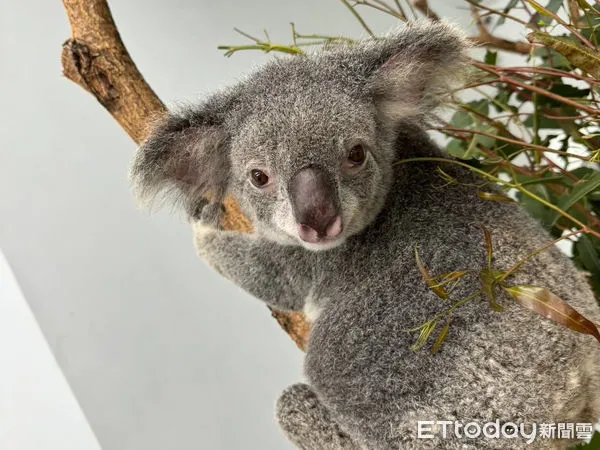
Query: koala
308	146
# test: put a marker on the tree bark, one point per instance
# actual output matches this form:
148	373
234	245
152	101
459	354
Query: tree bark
96	59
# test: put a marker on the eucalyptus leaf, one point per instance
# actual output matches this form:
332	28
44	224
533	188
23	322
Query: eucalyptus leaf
441	338
588	255
594	443
579	191
433	285
543	11
461	119
547	304
459	149
581	57
491	58
492	196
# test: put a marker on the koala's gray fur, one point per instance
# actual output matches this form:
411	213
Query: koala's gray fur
367	389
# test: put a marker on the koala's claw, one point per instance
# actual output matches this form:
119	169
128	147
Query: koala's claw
210	214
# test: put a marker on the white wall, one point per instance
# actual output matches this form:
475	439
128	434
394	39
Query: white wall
37	408
160	351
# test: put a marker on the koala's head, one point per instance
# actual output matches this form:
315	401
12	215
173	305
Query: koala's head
307	143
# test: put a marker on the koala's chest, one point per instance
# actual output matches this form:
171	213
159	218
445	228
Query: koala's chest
337	282
313	304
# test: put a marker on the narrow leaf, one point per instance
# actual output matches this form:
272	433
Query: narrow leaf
491	58
437	289
446	177
585	5
551	7
581	189
489	281
494	197
488	246
545	303
588	255
441	338
424	335
581	57
450	280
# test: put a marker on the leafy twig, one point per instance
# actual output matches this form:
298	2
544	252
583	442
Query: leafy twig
358	17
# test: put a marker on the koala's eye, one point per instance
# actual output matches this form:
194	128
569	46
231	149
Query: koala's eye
258	178
357	155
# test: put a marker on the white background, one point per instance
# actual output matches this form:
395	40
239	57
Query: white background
160	351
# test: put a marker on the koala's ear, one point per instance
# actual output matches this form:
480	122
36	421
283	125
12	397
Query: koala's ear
414	70
184	160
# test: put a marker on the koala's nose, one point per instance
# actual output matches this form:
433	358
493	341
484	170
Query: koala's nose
310	234
315	204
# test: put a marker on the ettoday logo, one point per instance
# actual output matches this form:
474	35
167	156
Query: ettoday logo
529	432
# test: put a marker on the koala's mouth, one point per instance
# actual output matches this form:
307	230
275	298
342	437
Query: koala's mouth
323	243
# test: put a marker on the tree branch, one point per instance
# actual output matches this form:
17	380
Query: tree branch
423	6
96	59
484	38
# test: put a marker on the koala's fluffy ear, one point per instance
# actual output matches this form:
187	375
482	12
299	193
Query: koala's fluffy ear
412	71
184	160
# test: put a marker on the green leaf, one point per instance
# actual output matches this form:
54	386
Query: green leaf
485	141
592	20
489	281
431	282
441	338
459	149
594	196
471	149
492	196
584	5
542	122
481	106
566	90
490	58
511	4
552	6
548	178
582	57
461	119
551	58
579	191
587	254
501	100
594	444
538	210
489	249
545	303
583	172
424	336
450	280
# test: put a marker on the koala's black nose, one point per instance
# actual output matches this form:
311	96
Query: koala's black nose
315	204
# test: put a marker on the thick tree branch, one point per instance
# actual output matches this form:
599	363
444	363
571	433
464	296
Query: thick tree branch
96	59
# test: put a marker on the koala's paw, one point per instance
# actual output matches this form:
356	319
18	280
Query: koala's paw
307	423
209	215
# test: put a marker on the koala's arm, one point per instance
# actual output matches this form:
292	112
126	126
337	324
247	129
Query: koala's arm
279	275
